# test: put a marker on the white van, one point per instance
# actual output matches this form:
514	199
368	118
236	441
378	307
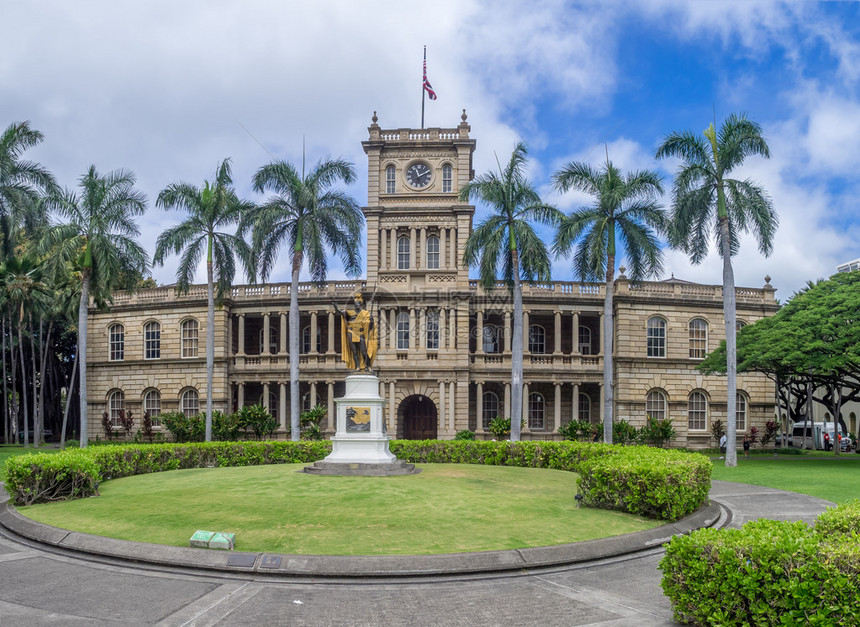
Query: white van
803	432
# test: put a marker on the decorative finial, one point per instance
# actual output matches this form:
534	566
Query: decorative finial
622	270
463	117
766	280
374	119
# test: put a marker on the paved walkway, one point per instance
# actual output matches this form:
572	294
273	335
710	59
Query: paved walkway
46	585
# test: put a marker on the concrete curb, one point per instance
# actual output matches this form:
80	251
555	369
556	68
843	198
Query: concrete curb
338	566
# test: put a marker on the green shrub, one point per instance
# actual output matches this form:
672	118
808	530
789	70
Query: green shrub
225	427
624	433
656	432
844	520
768	572
657	483
41	478
500	427
717	431
310	423
184	428
579	431
257	419
465	435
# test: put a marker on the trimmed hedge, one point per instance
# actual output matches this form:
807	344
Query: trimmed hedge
659	483
767	572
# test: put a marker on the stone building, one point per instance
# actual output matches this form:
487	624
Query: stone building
444	358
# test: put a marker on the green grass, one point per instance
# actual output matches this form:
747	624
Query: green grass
7	451
827	477
447	508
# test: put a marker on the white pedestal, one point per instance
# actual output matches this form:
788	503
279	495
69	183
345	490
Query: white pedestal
361	434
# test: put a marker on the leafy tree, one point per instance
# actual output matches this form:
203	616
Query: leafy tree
707	204
507	241
99	238
625	209
310	217
209	210
815	337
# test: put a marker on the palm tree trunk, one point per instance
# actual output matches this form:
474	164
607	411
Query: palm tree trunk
82	355
42	367
14	370
608	366
23	384
516	352
37	431
295	434
210	347
731	345
69	393
6	416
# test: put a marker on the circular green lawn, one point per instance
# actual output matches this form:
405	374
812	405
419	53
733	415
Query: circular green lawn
447	508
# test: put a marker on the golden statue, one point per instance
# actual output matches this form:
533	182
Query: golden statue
357	336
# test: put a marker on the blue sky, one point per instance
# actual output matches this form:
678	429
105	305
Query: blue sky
168	90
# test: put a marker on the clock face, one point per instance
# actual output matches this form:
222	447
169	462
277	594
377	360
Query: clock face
418	175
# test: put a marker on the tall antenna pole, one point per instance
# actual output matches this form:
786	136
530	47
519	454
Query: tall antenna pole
423	81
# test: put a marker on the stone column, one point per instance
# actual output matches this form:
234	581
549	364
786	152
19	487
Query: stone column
452	329
242	334
574	403
526	350
453	249
283	350
556	417
423	252
507	400
394	244
443	338
383	249
313	399
576	333
392	327
267	335
413	236
422	326
330	347
440	426
413	327
392	415
265	402
479	407
331	419
282	405
557	333
443	250
452	397
508	332
240	395
479	344
314	344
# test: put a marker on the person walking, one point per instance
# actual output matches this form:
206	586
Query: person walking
723	446
746	446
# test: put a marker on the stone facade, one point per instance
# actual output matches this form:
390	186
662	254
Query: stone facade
444	359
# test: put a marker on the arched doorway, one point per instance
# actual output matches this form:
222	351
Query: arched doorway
418	415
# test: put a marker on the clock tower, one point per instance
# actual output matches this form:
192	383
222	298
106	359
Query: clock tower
416	226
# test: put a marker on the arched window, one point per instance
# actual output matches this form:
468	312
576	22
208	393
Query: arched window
491	339
447	179
698	338
490	408
152	404
190	337
741	412
389	179
433	253
655	405
584	340
116	336
403	245
536	411
152	340
403	331
537	339
189	403
274	335
584	408
697	412
433	330
739	324
656	337
116	402
306	340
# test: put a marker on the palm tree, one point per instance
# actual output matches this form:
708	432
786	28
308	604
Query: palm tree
625	208
100	238
215	206
506	238
308	216
20	181
706	204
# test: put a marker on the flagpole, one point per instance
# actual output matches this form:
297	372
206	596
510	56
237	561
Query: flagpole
424	77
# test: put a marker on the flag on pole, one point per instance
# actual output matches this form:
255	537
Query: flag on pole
427	86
